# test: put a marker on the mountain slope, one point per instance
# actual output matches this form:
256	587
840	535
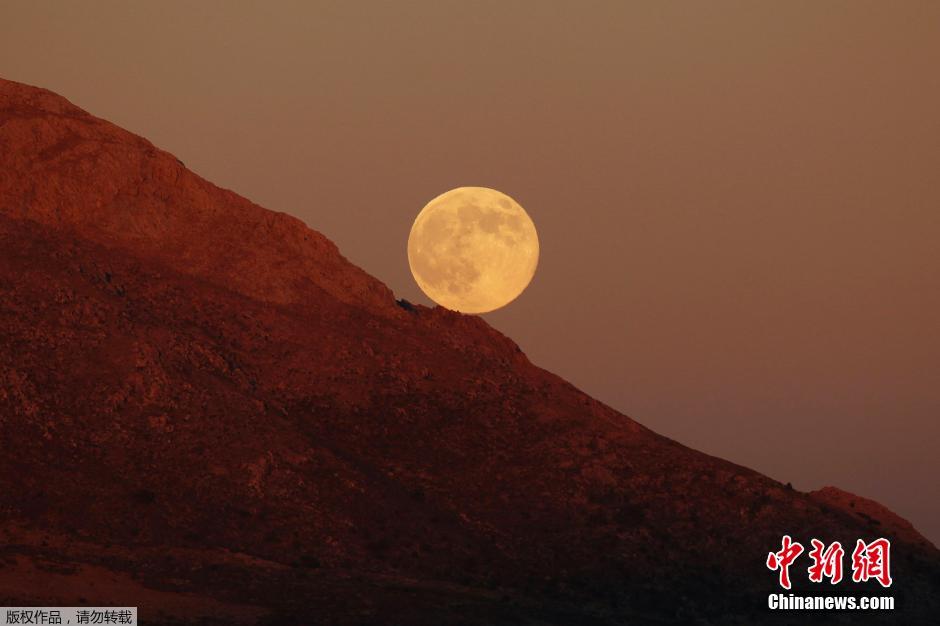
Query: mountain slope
65	168
216	416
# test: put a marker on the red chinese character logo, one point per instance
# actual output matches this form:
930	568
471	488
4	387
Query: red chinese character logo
782	560
826	562
872	560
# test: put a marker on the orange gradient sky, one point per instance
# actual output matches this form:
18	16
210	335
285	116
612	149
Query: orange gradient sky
738	202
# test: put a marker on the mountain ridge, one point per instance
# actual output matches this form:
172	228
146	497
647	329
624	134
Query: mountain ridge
99	178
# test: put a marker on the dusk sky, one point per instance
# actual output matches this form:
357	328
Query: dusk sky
738	203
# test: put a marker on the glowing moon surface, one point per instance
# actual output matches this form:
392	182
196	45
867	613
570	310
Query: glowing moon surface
473	249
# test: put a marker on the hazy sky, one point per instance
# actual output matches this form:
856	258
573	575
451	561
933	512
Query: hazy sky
738	202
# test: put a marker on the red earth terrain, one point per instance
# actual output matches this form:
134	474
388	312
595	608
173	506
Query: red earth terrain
209	413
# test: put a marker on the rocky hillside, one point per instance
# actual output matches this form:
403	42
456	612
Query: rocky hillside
206	411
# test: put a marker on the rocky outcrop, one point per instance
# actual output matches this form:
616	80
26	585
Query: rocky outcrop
70	170
877	517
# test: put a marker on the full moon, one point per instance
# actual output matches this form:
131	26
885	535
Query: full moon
473	249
